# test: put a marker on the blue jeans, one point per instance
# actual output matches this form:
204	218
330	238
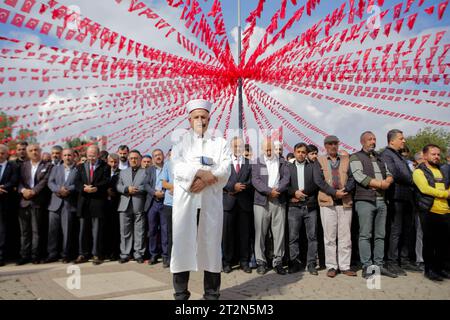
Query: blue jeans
156	218
372	223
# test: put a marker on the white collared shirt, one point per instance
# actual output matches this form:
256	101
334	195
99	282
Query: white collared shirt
34	168
4	164
273	165
123	165
300	174
67	172
237	160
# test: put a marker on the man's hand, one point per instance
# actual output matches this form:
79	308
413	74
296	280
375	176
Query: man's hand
207	177
294	200
2	190
63	192
89	189
198	185
28	193
132	190
238	187
340	194
111	192
389	180
274	194
159	194
300	195
385	184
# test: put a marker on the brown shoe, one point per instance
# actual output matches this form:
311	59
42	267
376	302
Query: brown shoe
96	261
81	259
332	273
349	273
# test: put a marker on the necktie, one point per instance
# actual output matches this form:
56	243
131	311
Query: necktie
91	173
238	167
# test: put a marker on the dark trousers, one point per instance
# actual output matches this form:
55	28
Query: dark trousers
111	234
211	285
168	214
91	229
60	220
236	228
156	218
30	232
2	232
435	239
297	216
401	222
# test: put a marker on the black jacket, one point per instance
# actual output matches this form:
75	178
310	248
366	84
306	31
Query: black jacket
402	188
92	205
245	198
314	181
9	181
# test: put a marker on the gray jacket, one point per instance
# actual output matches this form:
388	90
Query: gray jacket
55	182
126	180
260	180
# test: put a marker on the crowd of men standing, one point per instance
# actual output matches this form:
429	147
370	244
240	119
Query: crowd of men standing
309	211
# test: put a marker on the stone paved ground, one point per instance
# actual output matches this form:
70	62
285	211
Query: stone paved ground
112	280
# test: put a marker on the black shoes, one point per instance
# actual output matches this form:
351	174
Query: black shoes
166	262
23	261
280	270
261	269
51	259
124	260
294	267
386	272
2	263
226	268
36	261
246	268
433	276
140	260
153	260
444	274
383	271
312	270
393	267
408	266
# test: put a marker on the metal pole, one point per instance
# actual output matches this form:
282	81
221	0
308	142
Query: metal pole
240	104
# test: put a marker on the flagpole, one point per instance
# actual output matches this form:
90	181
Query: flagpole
240	104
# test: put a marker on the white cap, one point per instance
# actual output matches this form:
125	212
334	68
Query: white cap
198	104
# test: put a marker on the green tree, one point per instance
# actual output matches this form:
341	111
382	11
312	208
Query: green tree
428	135
6	132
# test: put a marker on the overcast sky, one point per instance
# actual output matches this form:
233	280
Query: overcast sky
345	122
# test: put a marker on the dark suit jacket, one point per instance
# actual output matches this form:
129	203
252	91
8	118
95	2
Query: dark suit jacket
92	204
9	181
55	182
260	180
244	198
150	187
314	181
40	200
402	188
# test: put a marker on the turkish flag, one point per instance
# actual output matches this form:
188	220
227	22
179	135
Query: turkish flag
441	8
32	23
412	20
28	5
18	20
4	15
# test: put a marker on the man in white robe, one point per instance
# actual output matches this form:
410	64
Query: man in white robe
201	168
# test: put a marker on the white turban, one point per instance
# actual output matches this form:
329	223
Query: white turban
198	104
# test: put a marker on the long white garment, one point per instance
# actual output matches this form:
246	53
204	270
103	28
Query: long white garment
198	248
